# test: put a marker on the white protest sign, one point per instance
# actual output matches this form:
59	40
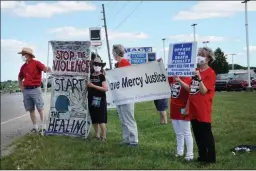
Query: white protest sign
71	57
69	114
182	59
138	83
110	104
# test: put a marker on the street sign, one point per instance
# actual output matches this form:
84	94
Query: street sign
95	36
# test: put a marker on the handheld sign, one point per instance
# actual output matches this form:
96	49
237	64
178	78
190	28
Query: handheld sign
182	59
138	58
138	83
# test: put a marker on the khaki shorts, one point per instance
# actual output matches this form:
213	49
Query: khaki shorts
32	98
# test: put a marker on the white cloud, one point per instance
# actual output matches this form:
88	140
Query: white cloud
70	32
46	10
190	37
251	48
166	49
12	4
14	46
213	9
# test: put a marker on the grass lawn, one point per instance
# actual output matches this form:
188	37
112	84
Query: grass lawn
234	123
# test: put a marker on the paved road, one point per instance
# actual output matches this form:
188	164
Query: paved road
15	121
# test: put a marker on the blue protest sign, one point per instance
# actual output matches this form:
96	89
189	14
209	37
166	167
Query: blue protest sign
138	58
182	59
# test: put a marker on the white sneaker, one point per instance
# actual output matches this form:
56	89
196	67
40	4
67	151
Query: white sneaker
189	158
178	155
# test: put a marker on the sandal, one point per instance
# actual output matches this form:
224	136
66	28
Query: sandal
103	139
98	138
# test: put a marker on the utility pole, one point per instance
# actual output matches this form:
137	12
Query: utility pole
232	60
194	30
106	31
247	43
164	49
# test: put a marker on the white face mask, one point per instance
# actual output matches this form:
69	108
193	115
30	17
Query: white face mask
97	68
200	60
23	58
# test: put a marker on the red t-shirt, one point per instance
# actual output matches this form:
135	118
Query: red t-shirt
31	72
200	105
179	98
123	63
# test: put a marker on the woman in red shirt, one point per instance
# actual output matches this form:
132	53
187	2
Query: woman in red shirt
180	118
202	90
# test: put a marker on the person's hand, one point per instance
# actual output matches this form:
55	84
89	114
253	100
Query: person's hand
21	88
197	73
186	112
49	69
90	85
177	78
159	60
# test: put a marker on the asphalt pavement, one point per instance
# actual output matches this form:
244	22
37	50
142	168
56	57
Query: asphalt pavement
15	121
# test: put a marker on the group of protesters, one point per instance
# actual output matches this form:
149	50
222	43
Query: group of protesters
191	102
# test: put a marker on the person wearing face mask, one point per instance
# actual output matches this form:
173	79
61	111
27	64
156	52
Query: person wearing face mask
97	102
126	111
202	90
30	78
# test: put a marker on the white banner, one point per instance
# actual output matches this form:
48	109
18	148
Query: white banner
69	114
138	83
182	59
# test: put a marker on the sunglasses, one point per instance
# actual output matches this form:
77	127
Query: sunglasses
97	64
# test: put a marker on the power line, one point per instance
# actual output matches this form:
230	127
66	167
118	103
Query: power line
128	16
122	8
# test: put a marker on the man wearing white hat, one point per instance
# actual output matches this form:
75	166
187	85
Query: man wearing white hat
30	77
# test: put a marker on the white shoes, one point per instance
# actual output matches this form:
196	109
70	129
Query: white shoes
187	158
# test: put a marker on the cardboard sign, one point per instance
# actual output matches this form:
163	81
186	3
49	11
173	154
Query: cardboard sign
71	57
69	114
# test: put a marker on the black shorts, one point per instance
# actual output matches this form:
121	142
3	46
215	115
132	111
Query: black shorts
161	104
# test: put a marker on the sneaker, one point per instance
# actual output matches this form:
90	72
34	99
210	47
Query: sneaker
40	130
124	143
103	139
33	130
189	158
178	155
133	145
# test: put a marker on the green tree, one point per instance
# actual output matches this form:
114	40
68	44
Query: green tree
220	65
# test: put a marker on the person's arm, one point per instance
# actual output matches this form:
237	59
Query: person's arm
42	67
104	87
20	78
207	84
183	84
186	109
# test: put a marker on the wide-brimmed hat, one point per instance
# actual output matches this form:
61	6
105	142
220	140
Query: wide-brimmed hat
99	61
27	50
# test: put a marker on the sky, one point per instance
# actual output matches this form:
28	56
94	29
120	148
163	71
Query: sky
140	24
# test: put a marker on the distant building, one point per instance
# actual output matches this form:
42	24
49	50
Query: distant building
240	71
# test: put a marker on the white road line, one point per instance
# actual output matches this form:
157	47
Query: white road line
14	119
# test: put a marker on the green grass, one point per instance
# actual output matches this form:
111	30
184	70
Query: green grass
234	116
